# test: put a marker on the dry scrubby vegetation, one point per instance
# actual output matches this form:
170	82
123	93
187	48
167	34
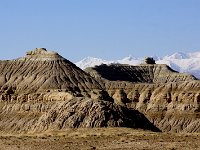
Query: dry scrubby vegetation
101	138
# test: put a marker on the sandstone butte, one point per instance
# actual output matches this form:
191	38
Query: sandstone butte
43	91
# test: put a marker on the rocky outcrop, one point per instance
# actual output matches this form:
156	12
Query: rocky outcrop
78	112
173	107
41	70
144	73
44	91
170	100
41	54
170	107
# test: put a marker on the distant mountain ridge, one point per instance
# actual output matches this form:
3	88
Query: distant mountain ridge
180	61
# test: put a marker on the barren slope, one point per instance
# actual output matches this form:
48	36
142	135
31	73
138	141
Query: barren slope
43	91
76	113
42	70
139	74
170	100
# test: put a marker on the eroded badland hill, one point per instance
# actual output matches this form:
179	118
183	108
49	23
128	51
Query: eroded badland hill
43	92
170	100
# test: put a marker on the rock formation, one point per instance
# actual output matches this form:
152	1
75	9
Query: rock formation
78	112
144	73
44	91
41	70
170	100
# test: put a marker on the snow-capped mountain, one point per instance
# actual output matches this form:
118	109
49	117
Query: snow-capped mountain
181	62
91	62
130	60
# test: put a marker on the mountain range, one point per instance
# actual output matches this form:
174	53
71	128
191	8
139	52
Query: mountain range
180	61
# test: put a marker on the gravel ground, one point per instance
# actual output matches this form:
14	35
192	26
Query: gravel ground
102	139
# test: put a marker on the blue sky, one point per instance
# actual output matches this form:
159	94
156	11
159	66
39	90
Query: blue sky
109	29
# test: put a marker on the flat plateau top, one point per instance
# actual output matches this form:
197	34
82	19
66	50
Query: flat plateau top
41	54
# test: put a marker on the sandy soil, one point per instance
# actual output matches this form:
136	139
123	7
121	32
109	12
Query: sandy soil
102	139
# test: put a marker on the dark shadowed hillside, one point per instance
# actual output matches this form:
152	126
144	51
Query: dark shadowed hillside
146	73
